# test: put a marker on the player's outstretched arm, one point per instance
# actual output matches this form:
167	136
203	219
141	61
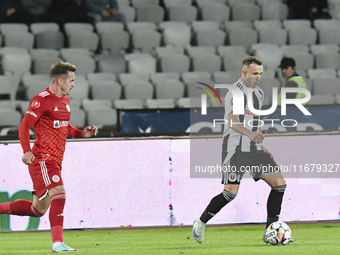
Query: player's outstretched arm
89	131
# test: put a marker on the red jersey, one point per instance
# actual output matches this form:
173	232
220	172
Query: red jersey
49	115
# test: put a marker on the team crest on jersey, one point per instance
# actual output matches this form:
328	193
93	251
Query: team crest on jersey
35	104
68	108
55	178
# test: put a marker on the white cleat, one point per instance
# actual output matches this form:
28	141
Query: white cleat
198	230
59	247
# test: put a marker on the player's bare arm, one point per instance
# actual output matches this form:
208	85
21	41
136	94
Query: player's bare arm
238	127
264	148
89	131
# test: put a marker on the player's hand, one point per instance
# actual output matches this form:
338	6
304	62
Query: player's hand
28	158
256	137
89	131
267	151
106	13
114	11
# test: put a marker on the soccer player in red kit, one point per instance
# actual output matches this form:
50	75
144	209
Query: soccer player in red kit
49	114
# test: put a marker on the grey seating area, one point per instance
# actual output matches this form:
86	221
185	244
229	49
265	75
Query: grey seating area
150	61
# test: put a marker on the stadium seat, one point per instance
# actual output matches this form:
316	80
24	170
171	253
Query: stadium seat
146	40
263	46
210	37
13	50
327	60
137	3
184	13
35	89
245	37
165	24
321	24
129	13
206	63
274	11
102	117
141	25
6	28
128	104
289	49
40	53
215	12
123	2
322	48
265	24
19	39
159	103
96	78
84	39
270	59
168	50
187	102
203	25
326	86
157	78
126	78
151	13
177	36
7	104
337	99
193	51
329	36
173	89
16	64
43	65
268	74
50	40
237	24
77	118
37	28
201	3
226	75
321	100
75	27
29	79
107	26
231	3
138	90
321	73
89	104
66	53
169	3
176	63
187	76
9	86
225	50
296	23
110	90
262	2
115	41
111	64
142	64
267	85
300	35
85	64
273	35
9	118
245	11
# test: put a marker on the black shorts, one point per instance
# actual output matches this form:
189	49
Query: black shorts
235	164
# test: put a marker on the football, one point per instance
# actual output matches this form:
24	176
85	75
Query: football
278	233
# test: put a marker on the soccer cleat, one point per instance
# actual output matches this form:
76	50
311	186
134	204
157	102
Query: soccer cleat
59	247
198	230
265	238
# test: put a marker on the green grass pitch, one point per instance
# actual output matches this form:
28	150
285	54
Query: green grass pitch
320	238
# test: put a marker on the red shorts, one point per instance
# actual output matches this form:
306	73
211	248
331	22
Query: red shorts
45	175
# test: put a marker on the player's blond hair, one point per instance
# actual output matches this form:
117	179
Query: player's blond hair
251	60
62	68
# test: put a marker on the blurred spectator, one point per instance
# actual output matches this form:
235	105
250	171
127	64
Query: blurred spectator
71	11
104	10
10	11
309	9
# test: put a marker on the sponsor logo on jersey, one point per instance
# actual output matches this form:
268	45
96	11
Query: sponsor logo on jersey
44	93
35	104
58	124
32	113
55	178
56	109
68	108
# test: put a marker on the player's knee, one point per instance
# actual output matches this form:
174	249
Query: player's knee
228	195
280	188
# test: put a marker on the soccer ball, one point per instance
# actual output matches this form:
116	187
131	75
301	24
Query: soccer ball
278	233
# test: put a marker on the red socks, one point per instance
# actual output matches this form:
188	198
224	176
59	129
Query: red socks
20	207
57	217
